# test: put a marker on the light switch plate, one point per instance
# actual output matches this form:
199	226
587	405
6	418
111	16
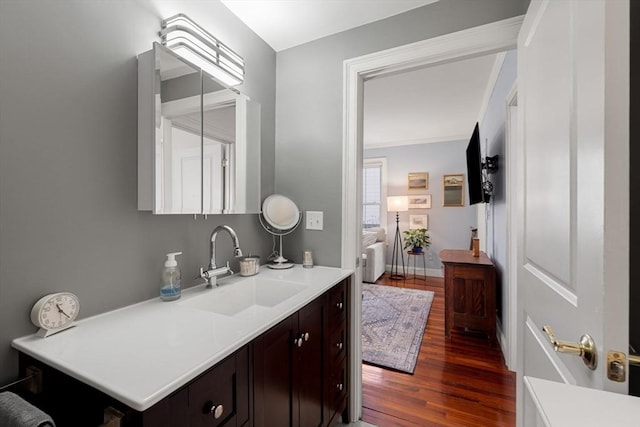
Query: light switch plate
314	220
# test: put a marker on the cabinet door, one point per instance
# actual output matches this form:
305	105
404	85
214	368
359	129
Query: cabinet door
169	133
273	375
171	411
220	397
198	142
308	361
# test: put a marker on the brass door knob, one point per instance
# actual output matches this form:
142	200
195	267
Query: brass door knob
585	348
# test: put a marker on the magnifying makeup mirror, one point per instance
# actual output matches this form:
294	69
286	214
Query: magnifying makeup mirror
279	216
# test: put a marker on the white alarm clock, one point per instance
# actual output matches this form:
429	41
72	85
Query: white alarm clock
55	312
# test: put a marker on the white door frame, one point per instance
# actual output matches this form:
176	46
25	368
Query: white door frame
473	42
515	204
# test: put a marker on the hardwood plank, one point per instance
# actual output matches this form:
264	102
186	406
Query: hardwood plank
461	382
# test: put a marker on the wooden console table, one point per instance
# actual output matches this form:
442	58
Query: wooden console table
469	292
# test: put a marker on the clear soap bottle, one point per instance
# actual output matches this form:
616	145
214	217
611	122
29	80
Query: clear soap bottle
170	289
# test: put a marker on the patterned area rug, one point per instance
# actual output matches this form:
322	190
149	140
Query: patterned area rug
393	322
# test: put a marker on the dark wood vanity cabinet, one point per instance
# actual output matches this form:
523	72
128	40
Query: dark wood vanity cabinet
300	366
219	397
295	374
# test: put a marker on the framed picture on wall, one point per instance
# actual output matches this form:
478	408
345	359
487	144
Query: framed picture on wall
453	190
418	181
419	201
418	221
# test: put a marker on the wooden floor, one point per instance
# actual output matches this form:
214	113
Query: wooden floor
458	382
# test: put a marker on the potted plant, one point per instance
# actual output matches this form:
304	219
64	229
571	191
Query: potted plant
417	239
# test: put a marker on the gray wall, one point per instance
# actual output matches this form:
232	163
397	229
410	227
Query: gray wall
309	113
449	227
492	136
68	147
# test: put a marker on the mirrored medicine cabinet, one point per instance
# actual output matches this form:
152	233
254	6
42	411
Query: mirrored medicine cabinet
198	141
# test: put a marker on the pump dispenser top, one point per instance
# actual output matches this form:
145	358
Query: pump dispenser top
171	259
170	288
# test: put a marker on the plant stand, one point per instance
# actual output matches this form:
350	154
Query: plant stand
414	255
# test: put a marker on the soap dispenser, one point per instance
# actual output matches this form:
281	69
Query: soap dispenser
170	289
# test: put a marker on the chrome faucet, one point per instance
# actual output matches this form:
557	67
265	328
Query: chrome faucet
214	271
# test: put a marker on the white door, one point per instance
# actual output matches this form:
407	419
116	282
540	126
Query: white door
573	89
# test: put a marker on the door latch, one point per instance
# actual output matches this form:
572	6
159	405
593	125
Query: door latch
616	366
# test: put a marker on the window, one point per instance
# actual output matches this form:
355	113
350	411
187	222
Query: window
374	192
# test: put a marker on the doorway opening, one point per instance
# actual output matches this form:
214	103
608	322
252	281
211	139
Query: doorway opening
420	122
487	39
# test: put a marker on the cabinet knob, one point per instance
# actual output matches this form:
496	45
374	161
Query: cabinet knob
216	411
305	336
339	345
298	341
339	386
339	305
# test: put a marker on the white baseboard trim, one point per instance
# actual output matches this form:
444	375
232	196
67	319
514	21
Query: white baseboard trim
431	272
502	341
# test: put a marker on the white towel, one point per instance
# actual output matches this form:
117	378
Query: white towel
17	412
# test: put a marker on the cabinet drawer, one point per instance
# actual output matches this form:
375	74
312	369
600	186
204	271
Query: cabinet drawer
220	396
337	310
468	272
337	345
338	386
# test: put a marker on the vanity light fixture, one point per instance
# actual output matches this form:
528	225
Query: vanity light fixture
190	41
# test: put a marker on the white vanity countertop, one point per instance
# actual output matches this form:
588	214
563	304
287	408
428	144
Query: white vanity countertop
559	404
142	353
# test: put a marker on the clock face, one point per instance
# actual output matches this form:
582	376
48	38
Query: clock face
55	311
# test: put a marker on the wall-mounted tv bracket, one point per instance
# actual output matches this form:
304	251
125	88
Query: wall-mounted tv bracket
490	164
487	187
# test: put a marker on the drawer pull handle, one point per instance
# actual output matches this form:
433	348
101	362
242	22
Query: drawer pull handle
339	345
339	386
216	411
339	305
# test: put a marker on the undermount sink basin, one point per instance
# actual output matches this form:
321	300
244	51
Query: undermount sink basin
233	298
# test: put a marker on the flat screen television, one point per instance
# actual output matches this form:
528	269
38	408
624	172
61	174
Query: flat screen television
474	169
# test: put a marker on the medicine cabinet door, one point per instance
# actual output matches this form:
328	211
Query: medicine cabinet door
198	141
